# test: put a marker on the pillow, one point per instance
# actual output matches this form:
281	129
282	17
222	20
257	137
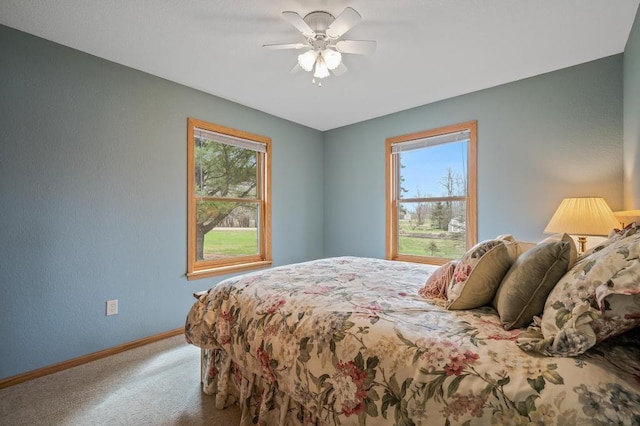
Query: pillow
524	290
438	281
478	275
573	254
514	247
627	231
598	298
614	235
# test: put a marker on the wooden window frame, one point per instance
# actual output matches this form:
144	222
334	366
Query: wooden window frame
207	268
392	176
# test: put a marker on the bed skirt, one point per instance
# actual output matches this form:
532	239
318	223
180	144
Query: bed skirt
260	401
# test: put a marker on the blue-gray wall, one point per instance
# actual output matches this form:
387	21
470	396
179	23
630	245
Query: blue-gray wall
632	118
540	140
93	199
93	184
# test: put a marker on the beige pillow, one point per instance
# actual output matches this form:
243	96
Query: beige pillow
524	289
478	275
514	247
573	254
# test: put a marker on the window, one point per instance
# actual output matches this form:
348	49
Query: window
229	200
431	194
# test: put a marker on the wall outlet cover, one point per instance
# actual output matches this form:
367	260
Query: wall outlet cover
112	307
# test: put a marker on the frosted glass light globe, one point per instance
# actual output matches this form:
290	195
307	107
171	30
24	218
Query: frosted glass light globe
321	68
307	59
332	58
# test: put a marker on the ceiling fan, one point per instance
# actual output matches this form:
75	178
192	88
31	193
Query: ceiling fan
322	32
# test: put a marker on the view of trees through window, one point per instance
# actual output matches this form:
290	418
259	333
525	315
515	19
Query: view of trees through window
430	190
229	205
225	176
433	223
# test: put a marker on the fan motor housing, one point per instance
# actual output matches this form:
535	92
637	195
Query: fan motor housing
319	21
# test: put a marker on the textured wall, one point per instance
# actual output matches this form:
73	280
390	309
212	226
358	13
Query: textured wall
92	184
632	118
539	140
93	199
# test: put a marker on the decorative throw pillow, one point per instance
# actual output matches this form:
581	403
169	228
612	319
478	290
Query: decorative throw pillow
573	250
514	247
614	235
598	298
627	231
478	275
438	281
524	289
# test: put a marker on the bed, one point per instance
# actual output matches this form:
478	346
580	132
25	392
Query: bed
349	340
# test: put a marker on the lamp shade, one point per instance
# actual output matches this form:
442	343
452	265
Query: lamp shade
627	216
582	216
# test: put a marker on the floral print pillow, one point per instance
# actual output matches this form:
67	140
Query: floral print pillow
614	235
598	298
478	275
627	231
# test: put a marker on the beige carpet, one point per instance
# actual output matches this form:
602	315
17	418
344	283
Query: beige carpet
156	384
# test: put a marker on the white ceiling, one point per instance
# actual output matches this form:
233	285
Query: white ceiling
428	50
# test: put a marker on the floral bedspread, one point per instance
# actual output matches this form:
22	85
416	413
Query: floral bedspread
349	341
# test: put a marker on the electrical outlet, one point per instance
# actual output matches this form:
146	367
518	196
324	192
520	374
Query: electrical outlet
112	307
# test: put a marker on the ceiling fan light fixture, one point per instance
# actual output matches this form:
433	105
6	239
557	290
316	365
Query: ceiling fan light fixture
325	47
332	58
321	68
307	60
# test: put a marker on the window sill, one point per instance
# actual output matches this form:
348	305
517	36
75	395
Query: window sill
230	269
421	259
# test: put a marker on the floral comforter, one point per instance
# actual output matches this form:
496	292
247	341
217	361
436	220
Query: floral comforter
349	341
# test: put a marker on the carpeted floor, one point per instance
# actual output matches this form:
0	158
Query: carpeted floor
156	384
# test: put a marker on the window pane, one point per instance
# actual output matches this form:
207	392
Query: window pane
226	229
222	170
437	171
431	194
435	229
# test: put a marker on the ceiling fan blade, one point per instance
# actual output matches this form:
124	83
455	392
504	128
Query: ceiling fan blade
285	46
358	47
343	23
297	21
339	70
295	69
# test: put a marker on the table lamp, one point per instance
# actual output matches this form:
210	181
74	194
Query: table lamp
584	216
